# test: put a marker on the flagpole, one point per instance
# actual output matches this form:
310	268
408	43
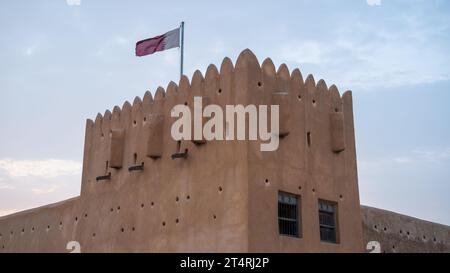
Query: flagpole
181	48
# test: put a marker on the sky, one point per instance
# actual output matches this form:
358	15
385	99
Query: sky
63	61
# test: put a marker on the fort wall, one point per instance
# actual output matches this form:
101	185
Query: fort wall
142	191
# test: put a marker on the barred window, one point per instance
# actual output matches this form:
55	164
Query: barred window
327	221
288	214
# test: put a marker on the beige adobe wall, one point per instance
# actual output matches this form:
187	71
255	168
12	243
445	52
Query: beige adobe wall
216	199
400	233
46	229
312	172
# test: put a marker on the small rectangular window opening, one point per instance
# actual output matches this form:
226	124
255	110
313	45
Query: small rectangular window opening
288	214
328	221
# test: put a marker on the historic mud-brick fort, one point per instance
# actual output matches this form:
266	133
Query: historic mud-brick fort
142	191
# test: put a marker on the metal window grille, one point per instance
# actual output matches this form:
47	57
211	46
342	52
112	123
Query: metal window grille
288	220
327	221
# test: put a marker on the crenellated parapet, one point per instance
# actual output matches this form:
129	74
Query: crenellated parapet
135	135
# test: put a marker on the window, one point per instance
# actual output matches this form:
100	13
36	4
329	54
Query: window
327	221
288	216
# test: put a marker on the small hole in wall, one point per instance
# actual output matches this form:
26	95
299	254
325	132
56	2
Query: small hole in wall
152	204
23	230
135	158
341	196
299	188
60	224
308	138
188	197
407	233
185	103
259	84
133	229
336	110
385	228
424	237
401	231
219	91
93	234
122	229
299	97
266	181
142	205
145	119
12	232
102	135
375	227
85	215
393	247
164	223
313	190
107	165
177	221
134	122
76	219
48	227
314	102
111	210
214	217
177	199
220	189
32	229
118	208
434	240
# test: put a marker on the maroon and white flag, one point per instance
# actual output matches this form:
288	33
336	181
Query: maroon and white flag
159	43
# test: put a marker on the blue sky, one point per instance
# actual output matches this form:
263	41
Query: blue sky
62	61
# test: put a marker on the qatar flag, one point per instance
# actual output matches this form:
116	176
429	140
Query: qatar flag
159	43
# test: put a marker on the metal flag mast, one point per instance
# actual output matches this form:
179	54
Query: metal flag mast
181	47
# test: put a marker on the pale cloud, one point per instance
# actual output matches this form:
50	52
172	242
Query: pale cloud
5	186
172	57
305	52
47	190
390	57
403	160
416	156
218	47
4	212
402	182
73	2
122	40
368	56
31	49
432	156
111	45
373	2
48	168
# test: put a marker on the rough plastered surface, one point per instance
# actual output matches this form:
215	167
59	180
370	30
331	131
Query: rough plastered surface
400	233
223	195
